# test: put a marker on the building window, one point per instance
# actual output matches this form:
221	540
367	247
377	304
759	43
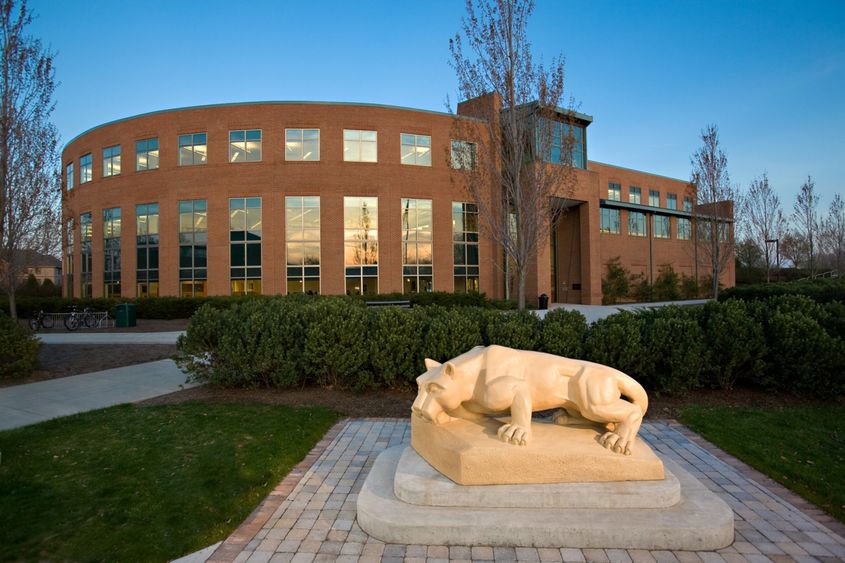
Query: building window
146	154
68	266
563	135
245	146
193	248
614	191
111	252
661	227
360	236
416	245
193	149
464	155
360	146
86	171
687	204
671	201
111	161
302	144
146	245
654	198
245	245
302	233
635	194
465	243
85	236
69	176
416	149
609	220
684	229
636	224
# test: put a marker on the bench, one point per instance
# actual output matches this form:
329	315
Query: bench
402	304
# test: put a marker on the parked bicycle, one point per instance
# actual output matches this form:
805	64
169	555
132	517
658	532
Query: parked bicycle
76	318
41	320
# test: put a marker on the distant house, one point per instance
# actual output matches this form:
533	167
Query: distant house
42	266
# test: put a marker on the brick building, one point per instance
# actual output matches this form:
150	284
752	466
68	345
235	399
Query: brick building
332	198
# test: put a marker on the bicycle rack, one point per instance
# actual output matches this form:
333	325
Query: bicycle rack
101	320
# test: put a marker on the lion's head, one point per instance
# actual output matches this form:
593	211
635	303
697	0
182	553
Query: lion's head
440	392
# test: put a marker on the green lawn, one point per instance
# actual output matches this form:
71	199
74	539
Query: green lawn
144	483
803	448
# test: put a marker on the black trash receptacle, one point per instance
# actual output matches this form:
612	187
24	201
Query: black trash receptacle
543	302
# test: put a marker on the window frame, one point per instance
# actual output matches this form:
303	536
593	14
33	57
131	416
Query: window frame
193	145
359	145
369	244
416	270
302	277
608	230
642	220
194	281
415	145
247	244
69	176
245	149
86	168
302	142
111	160
457	158
639	194
146	152
653	194
465	239
658	233
614	189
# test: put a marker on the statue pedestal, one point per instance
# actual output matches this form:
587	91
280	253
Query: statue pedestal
470	453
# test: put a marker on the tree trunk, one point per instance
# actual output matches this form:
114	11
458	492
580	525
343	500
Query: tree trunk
13	307
522	275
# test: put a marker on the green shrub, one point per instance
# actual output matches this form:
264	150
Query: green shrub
735	342
834	319
819	290
615	285
642	290
336	349
666	286
484	318
396	340
450	332
518	329
617	341
674	342
199	348
563	333
689	287
18	349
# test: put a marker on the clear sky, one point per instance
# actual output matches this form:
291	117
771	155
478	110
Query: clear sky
770	74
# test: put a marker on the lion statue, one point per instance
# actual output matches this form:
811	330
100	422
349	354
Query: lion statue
495	381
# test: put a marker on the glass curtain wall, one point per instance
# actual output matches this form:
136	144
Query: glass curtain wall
245	245
360	222
85	236
193	248
416	245
146	241
465	242
111	252
302	233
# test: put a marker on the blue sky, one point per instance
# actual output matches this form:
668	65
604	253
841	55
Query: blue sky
770	74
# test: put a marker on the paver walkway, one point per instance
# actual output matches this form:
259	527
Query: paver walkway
311	514
109	337
34	402
596	312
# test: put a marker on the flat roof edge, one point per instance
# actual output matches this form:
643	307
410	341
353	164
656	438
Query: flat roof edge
637	171
268	102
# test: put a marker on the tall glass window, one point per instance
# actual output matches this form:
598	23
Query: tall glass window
245	146
360	244
671	201
416	245
245	245
85	237
111	252
86	171
654	198
360	146
193	149
69	176
564	134
464	155
662	227
465	246
635	194
146	154
614	191
687	204
302	144
416	149
146	244
636	224
302	233
193	248
609	221
684	229
111	161
68	267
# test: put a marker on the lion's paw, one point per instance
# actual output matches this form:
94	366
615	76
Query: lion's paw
616	443
514	434
562	418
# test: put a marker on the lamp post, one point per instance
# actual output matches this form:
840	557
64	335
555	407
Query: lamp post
777	257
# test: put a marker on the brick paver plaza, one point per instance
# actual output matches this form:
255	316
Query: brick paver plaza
310	516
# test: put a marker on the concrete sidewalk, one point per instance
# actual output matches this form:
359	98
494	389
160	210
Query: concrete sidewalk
35	402
596	312
109	337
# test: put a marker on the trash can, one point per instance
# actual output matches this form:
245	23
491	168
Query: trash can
543	302
124	314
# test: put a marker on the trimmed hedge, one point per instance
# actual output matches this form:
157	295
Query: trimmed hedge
820	290
787	344
18	349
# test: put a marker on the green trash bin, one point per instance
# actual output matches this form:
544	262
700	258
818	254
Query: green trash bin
124	314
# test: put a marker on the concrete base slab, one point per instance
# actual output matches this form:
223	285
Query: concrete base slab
700	521
417	482
470	453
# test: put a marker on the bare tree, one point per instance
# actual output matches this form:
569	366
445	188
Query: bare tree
763	218
510	180
833	233
29	198
715	199
806	218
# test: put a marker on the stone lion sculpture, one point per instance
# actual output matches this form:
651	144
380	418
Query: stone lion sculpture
495	381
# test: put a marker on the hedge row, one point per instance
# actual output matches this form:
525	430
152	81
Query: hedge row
788	344
185	307
820	290
18	349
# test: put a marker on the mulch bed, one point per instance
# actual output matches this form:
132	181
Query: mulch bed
142	325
